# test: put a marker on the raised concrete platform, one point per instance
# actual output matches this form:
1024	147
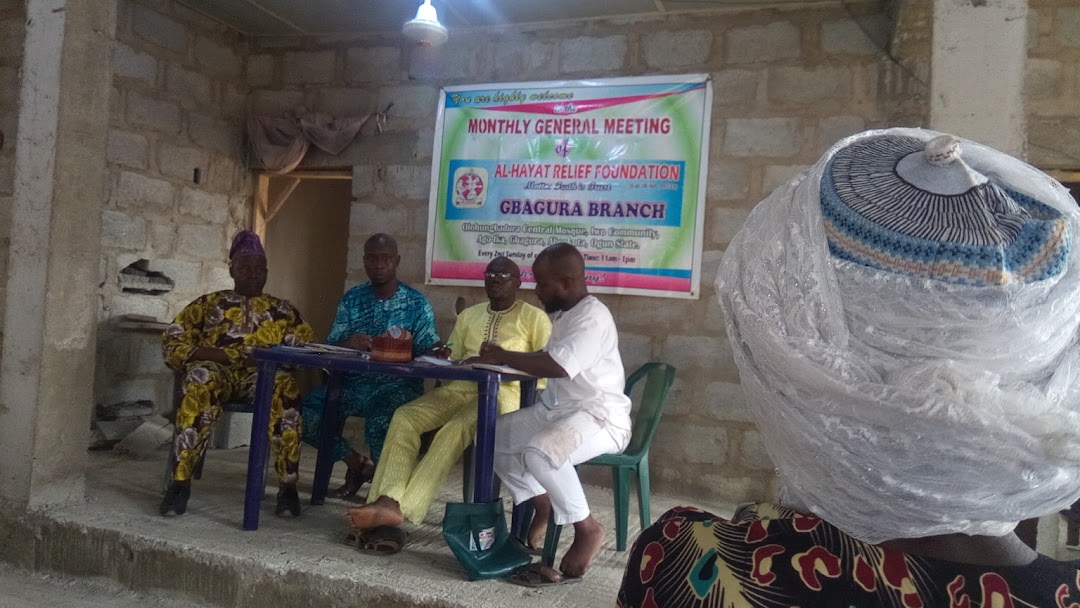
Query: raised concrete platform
205	556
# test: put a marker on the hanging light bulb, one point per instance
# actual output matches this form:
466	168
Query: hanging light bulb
425	29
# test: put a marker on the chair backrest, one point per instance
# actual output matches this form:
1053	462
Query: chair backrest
658	380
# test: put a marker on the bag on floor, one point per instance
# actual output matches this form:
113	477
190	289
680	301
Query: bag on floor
477	534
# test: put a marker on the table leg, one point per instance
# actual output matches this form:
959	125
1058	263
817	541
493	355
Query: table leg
260	424
331	428
521	516
487	404
528	393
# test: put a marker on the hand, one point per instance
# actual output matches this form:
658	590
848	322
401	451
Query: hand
209	353
491	353
359	342
441	351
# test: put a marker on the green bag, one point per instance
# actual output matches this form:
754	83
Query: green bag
476	533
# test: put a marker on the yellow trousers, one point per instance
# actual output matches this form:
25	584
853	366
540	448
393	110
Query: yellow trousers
413	482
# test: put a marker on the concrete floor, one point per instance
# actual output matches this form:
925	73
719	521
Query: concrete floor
23	589
125	554
301	558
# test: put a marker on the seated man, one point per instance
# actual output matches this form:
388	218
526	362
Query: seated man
210	342
904	317
582	413
366	311
403	488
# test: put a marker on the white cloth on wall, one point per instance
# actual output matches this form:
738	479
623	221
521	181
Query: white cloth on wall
280	142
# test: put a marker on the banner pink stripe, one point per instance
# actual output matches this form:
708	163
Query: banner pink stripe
459	270
585	105
475	271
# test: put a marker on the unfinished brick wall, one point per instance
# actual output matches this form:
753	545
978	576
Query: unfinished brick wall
178	106
1053	73
12	31
787	84
1053	84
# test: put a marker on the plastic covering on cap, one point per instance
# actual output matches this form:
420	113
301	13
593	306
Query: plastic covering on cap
898	405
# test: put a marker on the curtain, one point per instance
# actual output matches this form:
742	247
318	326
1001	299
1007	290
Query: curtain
280	142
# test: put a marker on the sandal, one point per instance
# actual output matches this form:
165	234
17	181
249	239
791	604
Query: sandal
354	480
384	540
539	575
527	548
176	499
287	500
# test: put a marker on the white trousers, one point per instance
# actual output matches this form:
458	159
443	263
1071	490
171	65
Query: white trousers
523	456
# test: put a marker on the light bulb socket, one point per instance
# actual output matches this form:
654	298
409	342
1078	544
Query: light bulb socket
425	29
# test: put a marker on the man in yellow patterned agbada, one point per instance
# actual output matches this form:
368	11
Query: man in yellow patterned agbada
210	342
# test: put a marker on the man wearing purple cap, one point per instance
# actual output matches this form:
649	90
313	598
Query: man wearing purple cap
210	341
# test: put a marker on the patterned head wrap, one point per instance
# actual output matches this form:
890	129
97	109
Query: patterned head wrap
904	317
246	242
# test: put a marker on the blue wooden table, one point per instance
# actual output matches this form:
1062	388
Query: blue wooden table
267	361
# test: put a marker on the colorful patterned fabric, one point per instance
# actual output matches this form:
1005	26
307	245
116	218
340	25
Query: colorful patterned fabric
361	312
234	324
207	386
372	396
246	242
985	235
773	557
451	409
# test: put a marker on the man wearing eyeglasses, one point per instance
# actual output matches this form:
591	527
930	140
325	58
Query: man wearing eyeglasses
404	488
368	310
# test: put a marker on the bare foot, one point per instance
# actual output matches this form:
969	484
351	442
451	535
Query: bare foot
383	512
541	516
588	540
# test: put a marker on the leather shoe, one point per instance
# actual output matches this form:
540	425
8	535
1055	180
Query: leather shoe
354	480
287	500
176	499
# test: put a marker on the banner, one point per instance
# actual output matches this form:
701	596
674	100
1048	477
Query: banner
616	167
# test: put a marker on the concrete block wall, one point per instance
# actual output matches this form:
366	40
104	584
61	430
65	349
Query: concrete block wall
12	18
787	84
178	109
1053	84
1052	88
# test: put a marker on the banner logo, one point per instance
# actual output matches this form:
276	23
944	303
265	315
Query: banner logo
470	186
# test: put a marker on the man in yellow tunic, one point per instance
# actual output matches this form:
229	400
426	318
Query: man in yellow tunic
210	342
405	487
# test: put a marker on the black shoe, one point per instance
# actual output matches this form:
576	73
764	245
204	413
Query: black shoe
176	499
287	500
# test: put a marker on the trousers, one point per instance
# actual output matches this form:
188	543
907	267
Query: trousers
412	481
206	387
375	399
527	469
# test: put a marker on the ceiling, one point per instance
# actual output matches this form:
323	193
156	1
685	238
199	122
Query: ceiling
314	17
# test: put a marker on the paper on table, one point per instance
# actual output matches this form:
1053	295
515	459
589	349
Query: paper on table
506	369
435	360
325	348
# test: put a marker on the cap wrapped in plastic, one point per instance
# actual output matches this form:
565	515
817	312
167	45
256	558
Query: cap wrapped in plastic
904	315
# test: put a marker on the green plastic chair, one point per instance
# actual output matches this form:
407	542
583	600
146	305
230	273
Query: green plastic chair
635	458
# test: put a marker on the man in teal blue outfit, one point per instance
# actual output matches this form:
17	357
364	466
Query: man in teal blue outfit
368	310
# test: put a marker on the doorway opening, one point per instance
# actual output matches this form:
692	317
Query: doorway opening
303	219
